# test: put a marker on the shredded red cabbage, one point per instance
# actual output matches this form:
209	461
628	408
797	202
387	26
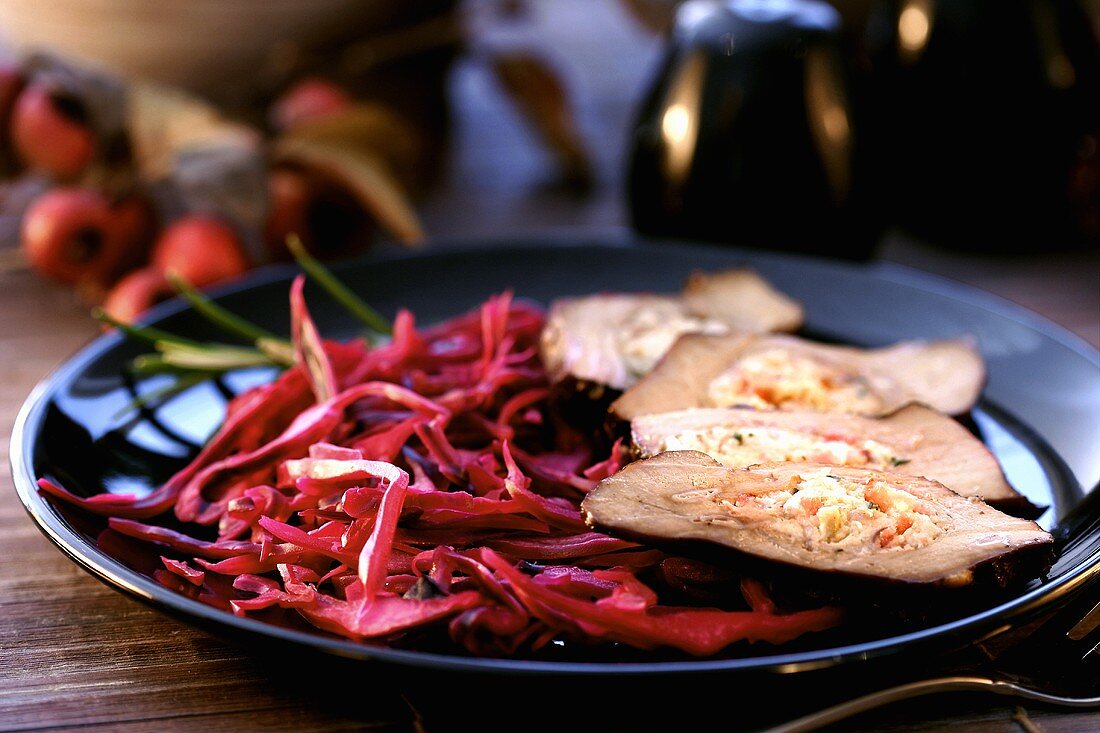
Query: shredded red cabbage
428	480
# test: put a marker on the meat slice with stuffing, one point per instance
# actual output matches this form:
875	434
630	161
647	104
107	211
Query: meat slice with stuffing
611	340
788	373
852	522
915	441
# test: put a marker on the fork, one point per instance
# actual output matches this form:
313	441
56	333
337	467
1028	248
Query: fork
1060	641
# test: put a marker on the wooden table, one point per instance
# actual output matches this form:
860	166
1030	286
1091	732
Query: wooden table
74	654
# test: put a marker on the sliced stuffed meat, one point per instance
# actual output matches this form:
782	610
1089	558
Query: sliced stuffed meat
789	373
614	339
855	522
915	441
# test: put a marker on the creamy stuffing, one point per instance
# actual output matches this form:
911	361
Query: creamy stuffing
737	447
828	513
776	378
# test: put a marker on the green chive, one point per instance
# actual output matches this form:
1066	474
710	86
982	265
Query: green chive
148	334
340	292
217	315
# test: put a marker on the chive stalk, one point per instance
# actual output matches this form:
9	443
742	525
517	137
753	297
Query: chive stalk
219	316
148	334
340	292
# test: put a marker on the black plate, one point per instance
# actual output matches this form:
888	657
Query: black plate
1040	413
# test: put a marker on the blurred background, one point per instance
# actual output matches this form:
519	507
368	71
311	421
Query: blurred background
137	138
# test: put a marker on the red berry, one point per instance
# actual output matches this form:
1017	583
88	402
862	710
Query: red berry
67	236
48	132
309	99
201	249
136	293
75	235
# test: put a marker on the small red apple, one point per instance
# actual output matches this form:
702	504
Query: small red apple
69	235
136	293
75	235
201	249
309	99
49	131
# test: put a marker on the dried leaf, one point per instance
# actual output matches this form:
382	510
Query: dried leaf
196	159
372	128
98	98
225	178
101	94
538	92
163	121
364	174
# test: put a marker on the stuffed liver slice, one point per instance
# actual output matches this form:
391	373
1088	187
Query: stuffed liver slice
832	519
788	373
615	339
742	300
914	441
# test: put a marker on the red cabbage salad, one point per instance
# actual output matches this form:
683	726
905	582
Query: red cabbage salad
428	481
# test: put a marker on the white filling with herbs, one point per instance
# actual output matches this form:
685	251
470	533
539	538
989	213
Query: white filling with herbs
821	511
778	378
737	447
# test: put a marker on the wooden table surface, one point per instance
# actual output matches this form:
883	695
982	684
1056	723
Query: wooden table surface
75	654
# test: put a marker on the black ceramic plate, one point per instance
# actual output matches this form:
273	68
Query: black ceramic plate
1040	413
